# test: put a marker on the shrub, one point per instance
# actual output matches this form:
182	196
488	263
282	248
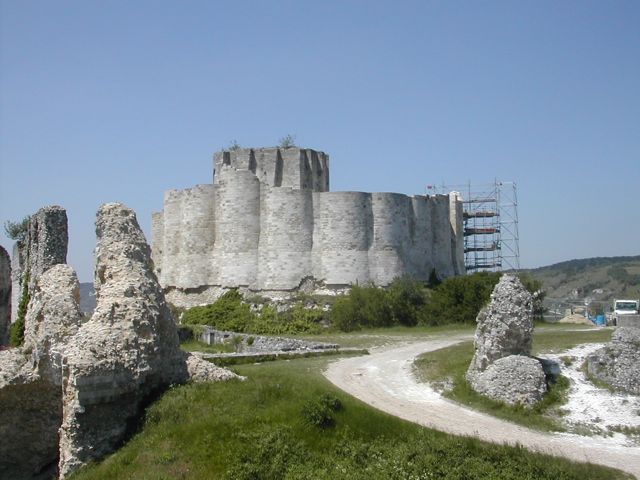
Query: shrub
406	298
17	230
319	412
227	313
288	141
16	331
369	306
362	307
459	299
230	313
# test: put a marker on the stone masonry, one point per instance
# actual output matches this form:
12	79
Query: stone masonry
268	222
502	368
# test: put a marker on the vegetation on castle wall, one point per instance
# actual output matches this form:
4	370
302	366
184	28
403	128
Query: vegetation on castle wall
405	302
229	312
16	331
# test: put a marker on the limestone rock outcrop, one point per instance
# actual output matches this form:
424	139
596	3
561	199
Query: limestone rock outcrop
126	353
618	363
30	378
5	295
47	240
75	390
44	246
501	367
53	317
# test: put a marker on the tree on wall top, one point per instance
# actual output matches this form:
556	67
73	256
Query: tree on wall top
288	141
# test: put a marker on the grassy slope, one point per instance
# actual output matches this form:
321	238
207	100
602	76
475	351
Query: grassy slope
254	429
451	364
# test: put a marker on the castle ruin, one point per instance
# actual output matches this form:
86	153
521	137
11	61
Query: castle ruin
269	224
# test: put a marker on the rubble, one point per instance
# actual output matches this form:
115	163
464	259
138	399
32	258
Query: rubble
618	363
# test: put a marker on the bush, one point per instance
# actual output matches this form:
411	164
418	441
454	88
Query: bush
406	299
319	412
459	299
288	141
16	331
227	313
410	302
362	307
399	304
17	230
230	313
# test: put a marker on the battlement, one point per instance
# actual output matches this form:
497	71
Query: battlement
294	167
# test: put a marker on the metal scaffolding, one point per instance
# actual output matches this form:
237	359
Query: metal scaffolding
491	241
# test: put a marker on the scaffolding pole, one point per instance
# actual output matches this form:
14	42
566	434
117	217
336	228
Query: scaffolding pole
490	216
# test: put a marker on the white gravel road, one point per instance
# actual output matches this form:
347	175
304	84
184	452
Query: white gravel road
385	380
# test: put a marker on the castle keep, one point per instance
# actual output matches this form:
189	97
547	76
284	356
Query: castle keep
268	223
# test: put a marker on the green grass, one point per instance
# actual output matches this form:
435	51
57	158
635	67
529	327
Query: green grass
448	366
555	339
261	429
375	337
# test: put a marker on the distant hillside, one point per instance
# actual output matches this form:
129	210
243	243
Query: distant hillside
591	279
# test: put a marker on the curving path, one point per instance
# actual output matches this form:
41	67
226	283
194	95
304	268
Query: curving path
384	379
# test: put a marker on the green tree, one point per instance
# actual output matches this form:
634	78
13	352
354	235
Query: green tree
288	141
459	299
406	298
17	230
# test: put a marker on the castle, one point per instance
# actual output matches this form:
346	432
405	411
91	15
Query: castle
269	224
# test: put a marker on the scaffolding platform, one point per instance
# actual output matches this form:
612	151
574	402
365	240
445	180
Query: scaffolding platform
490	217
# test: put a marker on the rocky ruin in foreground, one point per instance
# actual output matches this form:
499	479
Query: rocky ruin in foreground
70	394
618	363
502	368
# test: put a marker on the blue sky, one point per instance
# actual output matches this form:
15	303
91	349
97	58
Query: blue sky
121	100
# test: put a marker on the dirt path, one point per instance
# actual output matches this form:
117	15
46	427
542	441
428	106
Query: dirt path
384	379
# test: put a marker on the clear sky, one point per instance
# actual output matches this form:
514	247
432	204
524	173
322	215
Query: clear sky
122	100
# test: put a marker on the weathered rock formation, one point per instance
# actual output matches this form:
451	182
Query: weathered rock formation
30	378
44	246
268	223
5	295
501	367
74	391
618	363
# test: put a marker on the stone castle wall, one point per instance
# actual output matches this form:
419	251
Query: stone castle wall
268	222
